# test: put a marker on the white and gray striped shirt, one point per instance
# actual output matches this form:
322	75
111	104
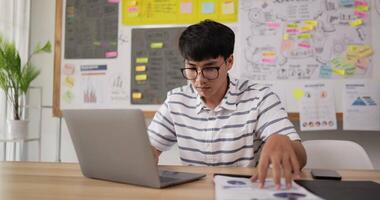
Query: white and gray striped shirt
229	135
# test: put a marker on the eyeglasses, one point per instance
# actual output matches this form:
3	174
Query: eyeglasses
209	73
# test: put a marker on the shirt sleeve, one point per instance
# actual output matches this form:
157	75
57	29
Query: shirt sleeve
272	118
161	130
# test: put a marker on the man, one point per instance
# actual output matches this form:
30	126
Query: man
220	121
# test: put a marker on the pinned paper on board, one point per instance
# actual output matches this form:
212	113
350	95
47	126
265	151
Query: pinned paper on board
356	22
208	7
142	60
156	45
228	8
140	68
136	95
186	7
141	77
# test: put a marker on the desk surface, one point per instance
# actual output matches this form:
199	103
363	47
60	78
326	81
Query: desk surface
43	181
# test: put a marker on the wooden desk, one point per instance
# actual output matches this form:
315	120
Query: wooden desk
46	181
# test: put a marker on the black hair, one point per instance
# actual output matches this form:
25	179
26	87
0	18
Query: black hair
205	40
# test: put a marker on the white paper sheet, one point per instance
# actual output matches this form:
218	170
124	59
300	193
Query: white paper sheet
317	107
234	188
361	109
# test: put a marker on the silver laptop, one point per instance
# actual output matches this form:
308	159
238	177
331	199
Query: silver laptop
114	145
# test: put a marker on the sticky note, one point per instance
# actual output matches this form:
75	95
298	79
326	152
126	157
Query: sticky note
304	45
268	53
113	1
273	25
361	8
133	3
141	77
133	9
311	22
304	36
366	51
356	22
292	25
346	3
228	8
142	60
156	45
285	36
298	93
360	3
268	60
186	7
68	96
111	54
362	63
292	30
208	8
307	28
363	15
339	71
136	95
140	68
324	71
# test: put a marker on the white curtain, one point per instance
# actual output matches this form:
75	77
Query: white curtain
14	26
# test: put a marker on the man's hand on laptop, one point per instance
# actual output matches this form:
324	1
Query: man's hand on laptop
279	152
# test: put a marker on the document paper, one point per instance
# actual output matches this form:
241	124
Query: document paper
236	188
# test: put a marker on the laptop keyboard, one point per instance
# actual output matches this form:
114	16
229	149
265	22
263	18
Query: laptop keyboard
165	179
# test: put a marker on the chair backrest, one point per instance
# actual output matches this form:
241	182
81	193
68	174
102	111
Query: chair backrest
336	154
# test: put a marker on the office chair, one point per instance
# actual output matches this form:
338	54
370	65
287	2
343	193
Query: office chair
336	154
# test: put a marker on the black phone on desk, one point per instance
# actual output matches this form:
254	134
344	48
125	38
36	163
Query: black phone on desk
326	174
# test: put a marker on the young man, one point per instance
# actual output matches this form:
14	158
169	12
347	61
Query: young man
220	121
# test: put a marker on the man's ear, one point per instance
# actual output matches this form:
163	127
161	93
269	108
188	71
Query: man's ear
230	62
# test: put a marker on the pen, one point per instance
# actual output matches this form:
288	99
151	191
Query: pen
233	175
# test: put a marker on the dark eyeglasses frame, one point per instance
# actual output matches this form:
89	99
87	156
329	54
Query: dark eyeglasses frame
202	70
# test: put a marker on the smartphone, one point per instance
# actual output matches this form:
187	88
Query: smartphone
325	174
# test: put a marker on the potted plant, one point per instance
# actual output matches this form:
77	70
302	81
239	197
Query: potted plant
15	79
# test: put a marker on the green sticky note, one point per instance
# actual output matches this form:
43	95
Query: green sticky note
298	93
142	60
156	45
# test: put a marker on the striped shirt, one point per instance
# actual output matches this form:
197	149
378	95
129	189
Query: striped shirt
229	135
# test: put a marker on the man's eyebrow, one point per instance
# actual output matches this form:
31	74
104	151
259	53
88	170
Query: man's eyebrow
212	62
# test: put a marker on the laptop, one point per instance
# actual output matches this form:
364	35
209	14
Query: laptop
114	145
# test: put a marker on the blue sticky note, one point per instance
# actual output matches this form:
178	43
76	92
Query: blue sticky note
208	8
347	3
325	71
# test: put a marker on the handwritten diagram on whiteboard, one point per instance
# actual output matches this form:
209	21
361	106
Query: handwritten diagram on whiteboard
304	39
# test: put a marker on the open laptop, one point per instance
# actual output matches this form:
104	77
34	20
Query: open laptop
114	145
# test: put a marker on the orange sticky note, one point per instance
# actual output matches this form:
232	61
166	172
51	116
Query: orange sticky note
136	95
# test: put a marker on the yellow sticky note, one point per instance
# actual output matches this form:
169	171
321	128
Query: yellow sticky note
141	77
140	68
268	53
156	45
353	48
356	22
133	3
311	22
339	71
136	95
307	27
228	8
304	36
142	60
298	93
366	51
285	36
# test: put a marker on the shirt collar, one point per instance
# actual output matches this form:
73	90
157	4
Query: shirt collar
228	102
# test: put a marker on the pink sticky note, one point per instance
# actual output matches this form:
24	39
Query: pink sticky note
292	30
133	9
111	54
113	1
186	7
360	3
363	15
273	25
304	45
269	60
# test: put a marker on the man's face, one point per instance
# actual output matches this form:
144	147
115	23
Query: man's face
210	76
